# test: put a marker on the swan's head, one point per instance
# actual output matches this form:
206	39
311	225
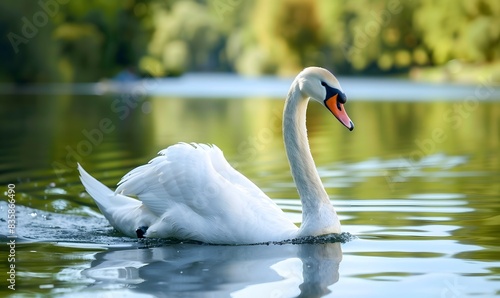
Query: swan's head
322	86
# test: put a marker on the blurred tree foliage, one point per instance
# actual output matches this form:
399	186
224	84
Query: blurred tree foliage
63	40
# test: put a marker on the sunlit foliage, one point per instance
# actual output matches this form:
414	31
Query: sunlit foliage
56	40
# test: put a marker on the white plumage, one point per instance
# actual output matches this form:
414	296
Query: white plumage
191	192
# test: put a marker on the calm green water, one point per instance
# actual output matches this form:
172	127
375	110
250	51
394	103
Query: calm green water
417	182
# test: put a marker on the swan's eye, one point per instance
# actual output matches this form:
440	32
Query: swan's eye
323	84
330	92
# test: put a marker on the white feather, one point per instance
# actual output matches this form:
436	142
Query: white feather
193	193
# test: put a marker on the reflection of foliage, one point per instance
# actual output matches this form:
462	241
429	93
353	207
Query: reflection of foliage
85	41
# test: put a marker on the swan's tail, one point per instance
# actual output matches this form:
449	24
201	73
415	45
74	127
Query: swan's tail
124	213
98	191
105	198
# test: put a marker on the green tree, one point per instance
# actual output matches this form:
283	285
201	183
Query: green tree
468	30
91	40
186	37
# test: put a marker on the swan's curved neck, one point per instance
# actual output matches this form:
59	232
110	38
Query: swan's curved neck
318	215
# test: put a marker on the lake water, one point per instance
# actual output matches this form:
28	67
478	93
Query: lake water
417	183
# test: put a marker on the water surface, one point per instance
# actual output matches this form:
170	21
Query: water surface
416	182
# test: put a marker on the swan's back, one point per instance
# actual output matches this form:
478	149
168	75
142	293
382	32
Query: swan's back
197	195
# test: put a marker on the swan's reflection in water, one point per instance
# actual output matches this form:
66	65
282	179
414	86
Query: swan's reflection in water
305	270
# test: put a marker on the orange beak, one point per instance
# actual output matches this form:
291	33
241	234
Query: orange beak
338	111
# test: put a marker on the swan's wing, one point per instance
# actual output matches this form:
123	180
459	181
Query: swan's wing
186	172
234	177
173	177
195	185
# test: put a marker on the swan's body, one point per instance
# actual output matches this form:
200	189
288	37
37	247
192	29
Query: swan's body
191	192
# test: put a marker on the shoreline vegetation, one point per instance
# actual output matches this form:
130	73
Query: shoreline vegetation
72	41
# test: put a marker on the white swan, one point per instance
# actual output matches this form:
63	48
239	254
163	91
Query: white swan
191	192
